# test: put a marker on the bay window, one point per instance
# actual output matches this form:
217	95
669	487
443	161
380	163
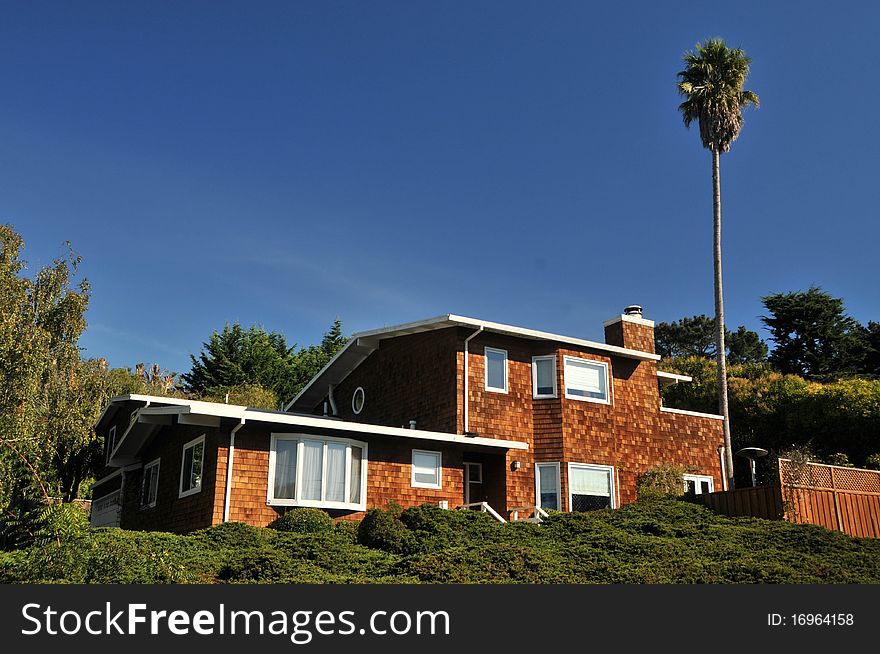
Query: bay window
317	471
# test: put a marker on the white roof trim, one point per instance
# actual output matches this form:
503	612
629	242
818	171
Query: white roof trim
675	376
134	397
670	378
244	414
628	318
365	339
692	413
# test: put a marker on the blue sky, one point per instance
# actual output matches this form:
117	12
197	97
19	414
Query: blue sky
286	163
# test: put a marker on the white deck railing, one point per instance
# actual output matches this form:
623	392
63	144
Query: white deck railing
485	508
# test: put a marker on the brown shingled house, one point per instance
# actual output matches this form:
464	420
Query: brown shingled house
450	410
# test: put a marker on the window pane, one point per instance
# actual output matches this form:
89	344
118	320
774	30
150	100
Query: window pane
335	487
197	456
589	481
545	384
313	461
154	484
285	469
590	489
186	482
354	480
704	487
585	379
426	468
548	487
589	503
495	369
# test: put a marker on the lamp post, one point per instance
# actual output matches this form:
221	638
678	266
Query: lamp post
752	453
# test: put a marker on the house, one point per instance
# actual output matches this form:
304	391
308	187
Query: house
452	410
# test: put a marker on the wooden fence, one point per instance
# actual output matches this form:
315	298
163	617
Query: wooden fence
845	499
757	502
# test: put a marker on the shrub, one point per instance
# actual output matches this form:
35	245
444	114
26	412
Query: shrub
661	481
304	521
234	535
873	462
347	530
382	529
258	566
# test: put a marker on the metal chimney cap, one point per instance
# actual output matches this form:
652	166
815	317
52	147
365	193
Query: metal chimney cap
633	310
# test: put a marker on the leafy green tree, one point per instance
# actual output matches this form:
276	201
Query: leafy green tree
813	337
745	346
41	319
237	358
688	337
695	337
872	356
712	87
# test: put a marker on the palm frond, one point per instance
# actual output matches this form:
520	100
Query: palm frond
712	86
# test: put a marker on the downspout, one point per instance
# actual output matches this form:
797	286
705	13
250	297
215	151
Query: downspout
332	400
723	468
466	417
229	459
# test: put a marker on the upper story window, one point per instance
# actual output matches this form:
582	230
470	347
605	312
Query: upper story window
357	400
317	471
544	376
111	442
191	467
496	370
586	380
150	484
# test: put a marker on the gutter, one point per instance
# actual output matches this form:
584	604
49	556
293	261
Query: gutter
229	459
466	416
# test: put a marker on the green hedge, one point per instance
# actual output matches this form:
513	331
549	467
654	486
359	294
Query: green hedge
650	541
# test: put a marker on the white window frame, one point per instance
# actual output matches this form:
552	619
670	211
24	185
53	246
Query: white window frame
322	503
359	389
609	390
535	394
697	479
151	464
111	442
594	466
420	484
494	389
556	466
192	445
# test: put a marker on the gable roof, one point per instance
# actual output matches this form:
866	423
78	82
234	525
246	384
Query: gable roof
363	344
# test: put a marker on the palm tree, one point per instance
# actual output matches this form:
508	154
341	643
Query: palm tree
712	87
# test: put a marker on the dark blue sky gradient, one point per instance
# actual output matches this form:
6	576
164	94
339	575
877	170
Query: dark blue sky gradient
286	163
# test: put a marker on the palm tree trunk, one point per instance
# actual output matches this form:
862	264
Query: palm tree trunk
719	318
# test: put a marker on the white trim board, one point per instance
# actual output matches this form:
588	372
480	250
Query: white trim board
691	413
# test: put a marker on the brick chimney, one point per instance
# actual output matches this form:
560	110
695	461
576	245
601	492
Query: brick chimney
630	330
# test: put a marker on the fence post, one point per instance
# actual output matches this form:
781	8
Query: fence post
836	505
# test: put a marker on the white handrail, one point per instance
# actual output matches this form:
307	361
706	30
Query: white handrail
485	508
536	510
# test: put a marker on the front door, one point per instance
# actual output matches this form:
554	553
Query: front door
473	483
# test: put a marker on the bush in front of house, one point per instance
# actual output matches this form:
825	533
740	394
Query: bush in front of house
660	481
303	521
382	529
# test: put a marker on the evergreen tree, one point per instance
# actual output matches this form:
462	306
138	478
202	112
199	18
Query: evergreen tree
813	335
